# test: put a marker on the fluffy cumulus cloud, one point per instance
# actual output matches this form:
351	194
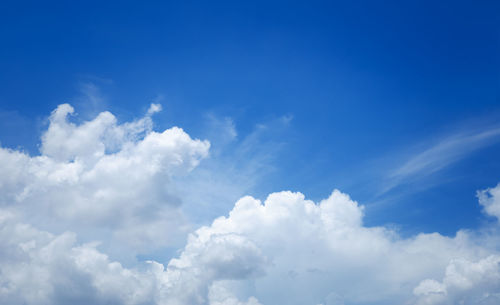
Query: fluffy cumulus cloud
99	184
107	177
42	268
320	253
465	282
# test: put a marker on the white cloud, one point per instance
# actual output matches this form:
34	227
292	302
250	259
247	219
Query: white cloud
100	180
465	282
312	252
490	200
443	153
154	108
287	250
101	174
220	295
41	268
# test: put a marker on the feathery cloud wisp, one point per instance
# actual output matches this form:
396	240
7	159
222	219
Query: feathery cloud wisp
442	154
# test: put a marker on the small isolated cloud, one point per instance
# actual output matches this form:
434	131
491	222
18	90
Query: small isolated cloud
101	186
154	108
490	200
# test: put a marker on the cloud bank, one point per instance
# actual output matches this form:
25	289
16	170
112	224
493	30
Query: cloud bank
99	186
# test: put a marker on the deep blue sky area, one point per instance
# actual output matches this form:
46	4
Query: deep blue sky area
369	87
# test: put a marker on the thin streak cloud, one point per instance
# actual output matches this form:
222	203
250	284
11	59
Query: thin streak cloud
447	151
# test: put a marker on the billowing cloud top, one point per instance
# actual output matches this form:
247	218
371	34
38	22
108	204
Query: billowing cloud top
99	186
100	174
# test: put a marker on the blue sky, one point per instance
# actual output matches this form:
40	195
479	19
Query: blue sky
396	105
367	85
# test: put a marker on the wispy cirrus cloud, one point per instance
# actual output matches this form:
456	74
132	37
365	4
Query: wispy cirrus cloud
440	155
238	164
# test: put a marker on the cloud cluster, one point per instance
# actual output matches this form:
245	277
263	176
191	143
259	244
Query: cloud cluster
107	177
465	282
109	182
41	268
320	253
